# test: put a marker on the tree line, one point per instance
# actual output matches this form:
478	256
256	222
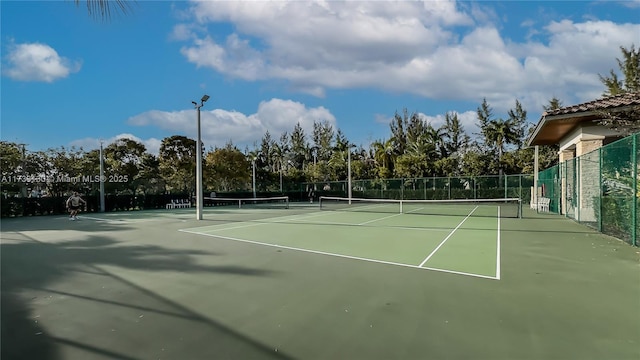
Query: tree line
415	148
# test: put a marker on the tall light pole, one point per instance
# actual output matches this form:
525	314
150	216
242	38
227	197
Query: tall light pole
280	176
23	170
253	167
102	179
199	193
349	147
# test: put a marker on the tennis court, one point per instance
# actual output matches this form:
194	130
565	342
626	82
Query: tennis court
465	240
362	281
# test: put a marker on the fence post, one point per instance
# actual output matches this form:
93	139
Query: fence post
634	198
424	180
601	193
578	188
505	186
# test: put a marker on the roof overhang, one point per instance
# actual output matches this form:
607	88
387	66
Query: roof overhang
552	128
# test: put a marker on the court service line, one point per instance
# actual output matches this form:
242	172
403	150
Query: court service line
338	255
382	218
387	227
251	223
447	238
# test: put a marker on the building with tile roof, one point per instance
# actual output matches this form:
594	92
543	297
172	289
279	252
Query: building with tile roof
576	129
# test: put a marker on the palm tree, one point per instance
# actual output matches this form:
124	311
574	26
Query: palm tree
103	9
499	133
383	154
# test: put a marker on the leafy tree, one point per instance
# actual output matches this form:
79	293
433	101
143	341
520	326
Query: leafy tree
227	169
177	163
150	182
476	163
11	166
123	159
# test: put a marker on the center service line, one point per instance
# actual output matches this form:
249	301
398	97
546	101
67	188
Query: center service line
447	238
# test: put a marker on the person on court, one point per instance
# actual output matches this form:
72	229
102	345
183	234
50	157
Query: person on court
73	205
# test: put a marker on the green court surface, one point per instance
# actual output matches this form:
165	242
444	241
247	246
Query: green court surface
301	283
464	245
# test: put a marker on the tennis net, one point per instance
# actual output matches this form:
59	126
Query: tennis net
276	202
504	208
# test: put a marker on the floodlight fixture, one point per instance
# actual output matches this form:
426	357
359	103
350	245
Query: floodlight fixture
205	97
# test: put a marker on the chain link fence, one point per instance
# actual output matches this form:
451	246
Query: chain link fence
431	188
598	189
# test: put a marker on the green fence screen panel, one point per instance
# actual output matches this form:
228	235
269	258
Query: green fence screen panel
599	189
549	187
618	183
431	188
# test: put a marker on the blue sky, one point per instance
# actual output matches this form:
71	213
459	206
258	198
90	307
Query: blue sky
71	80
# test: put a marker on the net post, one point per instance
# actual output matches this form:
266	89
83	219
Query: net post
520	208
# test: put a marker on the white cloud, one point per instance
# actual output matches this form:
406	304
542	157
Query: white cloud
219	126
37	62
468	119
435	49
152	144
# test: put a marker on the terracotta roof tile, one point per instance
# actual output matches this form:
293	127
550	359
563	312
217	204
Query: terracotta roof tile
608	102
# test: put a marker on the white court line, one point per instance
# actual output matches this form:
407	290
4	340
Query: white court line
498	254
339	255
250	223
447	238
382	218
118	221
352	224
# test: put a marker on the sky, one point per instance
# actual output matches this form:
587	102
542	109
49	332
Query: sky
69	79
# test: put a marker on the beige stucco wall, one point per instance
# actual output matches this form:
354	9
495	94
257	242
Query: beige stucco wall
585	146
582	140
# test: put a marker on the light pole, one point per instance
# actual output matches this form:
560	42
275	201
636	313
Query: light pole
253	167
199	161
281	176
23	170
102	179
349	147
